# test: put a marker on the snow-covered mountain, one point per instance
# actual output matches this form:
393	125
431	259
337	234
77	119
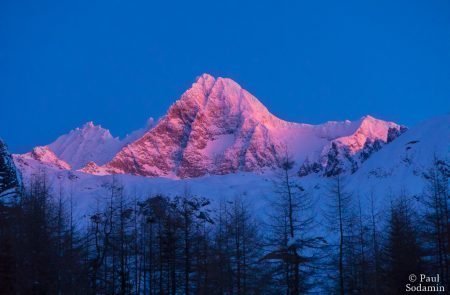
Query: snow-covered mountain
82	146
217	127
43	155
403	163
220	141
399	166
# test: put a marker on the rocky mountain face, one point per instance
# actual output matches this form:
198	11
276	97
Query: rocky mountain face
347	153
217	127
10	178
43	155
402	165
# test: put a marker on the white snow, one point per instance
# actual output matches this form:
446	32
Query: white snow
83	145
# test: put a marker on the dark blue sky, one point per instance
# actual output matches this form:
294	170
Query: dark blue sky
119	62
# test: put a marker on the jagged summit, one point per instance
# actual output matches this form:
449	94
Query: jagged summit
89	124
223	96
89	143
213	117
367	127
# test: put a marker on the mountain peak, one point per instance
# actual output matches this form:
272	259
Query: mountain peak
370	126
367	118
368	129
204	77
89	143
187	140
45	155
225	97
89	124
89	128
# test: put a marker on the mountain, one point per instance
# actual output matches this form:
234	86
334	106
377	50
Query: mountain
83	145
217	127
403	163
347	153
75	149
218	141
80	148
42	155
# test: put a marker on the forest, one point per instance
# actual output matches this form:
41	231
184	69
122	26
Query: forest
157	244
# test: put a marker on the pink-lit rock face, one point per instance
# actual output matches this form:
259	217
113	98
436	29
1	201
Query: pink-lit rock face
369	128
346	153
93	168
216	127
44	155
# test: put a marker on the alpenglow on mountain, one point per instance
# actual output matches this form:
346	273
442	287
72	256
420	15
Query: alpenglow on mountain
217	127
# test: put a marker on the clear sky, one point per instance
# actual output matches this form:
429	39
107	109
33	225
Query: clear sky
63	63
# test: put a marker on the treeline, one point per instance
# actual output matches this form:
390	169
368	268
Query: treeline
133	244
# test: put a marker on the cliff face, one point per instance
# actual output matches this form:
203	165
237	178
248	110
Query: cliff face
215	127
